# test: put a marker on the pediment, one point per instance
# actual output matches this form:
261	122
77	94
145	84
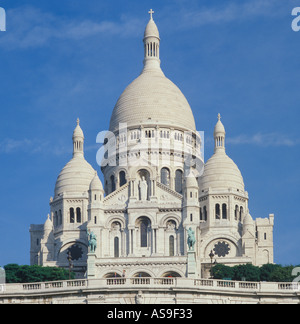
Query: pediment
119	197
167	195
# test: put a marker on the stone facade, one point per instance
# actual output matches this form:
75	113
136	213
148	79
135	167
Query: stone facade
156	190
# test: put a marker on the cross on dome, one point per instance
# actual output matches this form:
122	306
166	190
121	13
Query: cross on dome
151	12
78	121
219	116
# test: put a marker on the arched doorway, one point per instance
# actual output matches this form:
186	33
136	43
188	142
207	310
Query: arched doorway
141	275
171	274
112	275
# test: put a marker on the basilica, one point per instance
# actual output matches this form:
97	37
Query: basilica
157	190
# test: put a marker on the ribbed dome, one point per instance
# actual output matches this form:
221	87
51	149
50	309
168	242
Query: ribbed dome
220	172
76	176
154	99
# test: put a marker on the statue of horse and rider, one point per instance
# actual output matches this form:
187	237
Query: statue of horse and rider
92	238
191	241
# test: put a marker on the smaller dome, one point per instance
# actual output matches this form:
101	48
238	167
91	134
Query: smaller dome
96	183
151	29
219	129
191	181
220	172
248	225
78	131
248	220
76	176
48	224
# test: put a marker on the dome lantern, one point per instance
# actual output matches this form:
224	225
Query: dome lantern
219	135
78	140
151	45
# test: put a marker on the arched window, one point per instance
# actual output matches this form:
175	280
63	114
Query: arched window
55	219
144	234
78	215
205	213
116	247
171	245
144	225
241	214
165	177
224	211
72	216
123	180
113	184
218	211
236	212
178	181
60	218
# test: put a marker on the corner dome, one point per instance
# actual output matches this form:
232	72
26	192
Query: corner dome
220	172
248	220
96	184
48	224
191	181
75	177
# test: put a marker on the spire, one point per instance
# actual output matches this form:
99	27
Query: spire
151	45
219	135
78	141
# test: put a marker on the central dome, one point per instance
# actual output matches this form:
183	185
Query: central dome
152	98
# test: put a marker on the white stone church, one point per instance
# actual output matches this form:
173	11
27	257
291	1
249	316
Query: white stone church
155	188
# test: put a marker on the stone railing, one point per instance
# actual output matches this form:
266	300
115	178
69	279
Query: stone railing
150	283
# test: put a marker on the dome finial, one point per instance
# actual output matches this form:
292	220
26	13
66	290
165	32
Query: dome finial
151	46
151	12
219	135
78	140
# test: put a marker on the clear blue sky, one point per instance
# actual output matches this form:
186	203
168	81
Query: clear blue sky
64	59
